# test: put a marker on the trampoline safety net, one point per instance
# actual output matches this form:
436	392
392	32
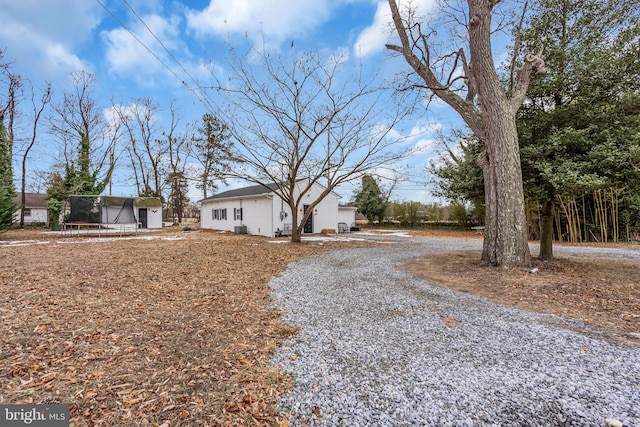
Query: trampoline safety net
101	210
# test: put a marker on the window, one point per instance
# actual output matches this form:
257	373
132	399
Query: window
237	214
219	214
27	212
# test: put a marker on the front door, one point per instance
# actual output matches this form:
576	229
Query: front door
142	217
308	226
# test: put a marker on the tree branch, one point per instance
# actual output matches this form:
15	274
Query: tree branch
532	64
465	108
516	48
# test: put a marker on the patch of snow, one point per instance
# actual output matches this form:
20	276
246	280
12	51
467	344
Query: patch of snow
111	239
23	243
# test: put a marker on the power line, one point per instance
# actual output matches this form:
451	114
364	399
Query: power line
195	82
122	24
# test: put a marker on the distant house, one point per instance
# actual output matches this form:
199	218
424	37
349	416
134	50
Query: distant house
259	210
35	208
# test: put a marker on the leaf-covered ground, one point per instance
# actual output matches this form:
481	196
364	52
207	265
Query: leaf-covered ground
602	292
176	329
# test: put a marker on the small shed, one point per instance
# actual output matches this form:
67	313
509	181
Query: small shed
149	212
35	208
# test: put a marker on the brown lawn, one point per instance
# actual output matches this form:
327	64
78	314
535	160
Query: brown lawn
603	292
179	330
144	332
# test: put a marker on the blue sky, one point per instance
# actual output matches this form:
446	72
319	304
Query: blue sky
47	40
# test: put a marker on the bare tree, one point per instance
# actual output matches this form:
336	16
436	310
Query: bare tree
145	149
302	120
37	113
478	96
177	152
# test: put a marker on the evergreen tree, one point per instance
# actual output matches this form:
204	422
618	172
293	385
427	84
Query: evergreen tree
458	176
79	123
213	150
370	200
579	126
7	189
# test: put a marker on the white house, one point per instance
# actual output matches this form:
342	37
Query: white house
35	208
260	211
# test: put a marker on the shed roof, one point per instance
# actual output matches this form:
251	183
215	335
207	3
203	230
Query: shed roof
148	202
32	200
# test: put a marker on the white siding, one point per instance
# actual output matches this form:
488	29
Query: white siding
257	215
280	221
36	215
154	216
347	215
206	215
261	214
327	216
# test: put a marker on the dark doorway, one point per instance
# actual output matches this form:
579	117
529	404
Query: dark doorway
142	217
308	226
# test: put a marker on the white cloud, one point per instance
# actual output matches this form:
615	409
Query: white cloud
276	20
373	38
41	36
127	57
424	145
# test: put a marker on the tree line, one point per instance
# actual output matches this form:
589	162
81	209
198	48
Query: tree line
90	140
541	125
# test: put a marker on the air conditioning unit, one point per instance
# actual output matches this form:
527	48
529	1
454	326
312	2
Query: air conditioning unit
287	229
240	229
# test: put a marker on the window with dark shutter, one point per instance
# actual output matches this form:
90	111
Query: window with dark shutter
237	214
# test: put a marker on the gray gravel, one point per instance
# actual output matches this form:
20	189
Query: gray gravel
379	347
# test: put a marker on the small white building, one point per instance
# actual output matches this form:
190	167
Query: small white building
259	210
347	215
149	212
35	208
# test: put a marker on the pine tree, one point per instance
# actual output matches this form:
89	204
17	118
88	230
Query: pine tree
370	201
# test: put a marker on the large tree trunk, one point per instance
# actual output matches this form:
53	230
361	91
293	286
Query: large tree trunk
296	231
546	229
490	114
505	238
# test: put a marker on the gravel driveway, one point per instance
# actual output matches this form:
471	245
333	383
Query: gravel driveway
379	347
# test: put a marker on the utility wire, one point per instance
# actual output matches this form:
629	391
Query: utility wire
209	101
122	24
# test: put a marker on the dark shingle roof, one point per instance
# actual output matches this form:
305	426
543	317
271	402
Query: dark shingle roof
32	200
253	190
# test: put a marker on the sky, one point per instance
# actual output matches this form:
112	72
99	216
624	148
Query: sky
163	49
